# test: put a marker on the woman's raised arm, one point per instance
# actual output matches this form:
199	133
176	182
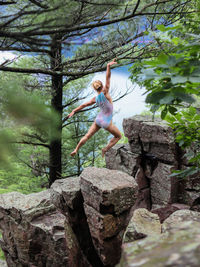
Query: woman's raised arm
86	104
108	75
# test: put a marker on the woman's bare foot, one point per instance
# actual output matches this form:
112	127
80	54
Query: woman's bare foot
73	153
103	151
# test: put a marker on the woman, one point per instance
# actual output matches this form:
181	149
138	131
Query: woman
104	118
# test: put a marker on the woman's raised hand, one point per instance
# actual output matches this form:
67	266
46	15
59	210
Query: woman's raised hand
112	62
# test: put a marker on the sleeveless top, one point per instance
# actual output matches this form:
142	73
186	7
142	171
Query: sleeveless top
104	117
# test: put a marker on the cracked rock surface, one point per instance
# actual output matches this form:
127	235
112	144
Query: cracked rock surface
177	244
79	221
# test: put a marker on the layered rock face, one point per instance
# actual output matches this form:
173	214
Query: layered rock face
175	242
32	229
79	221
150	157
163	228
108	197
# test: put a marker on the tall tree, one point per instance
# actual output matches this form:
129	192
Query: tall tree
76	38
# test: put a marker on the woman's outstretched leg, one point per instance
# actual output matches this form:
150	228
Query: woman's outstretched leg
93	129
117	136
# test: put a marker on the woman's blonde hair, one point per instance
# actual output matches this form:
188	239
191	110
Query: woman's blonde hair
97	85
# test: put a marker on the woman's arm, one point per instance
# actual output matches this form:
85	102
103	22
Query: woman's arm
108	75
89	103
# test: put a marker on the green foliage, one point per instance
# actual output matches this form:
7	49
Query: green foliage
2	256
20	177
171	78
186	124
25	108
187	131
172	81
19	107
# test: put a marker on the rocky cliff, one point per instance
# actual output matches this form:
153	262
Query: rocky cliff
130	205
149	157
77	222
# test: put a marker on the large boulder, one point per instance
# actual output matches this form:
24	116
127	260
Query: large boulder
66	193
108	196
109	191
142	224
67	197
154	137
174	243
120	157
174	248
32	230
177	217
164	189
189	192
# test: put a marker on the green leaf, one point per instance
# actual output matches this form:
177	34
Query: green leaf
161	28
172	110
185	97
176	40
178	79
167	99
162	58
163	114
194	79
155	97
172	61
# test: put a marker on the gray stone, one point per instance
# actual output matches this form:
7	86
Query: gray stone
121	158
67	197
143	223
104	226
166	210
189	192
179	216
108	196
163	188
32	230
153	137
66	192
3	263
108	191
179	248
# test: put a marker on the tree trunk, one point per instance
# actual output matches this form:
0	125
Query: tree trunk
56	102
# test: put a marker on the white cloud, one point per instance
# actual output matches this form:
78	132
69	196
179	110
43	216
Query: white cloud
6	56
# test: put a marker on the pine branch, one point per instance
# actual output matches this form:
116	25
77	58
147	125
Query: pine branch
32	143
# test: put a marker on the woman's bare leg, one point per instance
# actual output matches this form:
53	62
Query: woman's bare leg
93	129
117	136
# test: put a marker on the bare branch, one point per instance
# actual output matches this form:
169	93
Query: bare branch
35	136
76	122
3	3
38	4
101	24
27	50
32	143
